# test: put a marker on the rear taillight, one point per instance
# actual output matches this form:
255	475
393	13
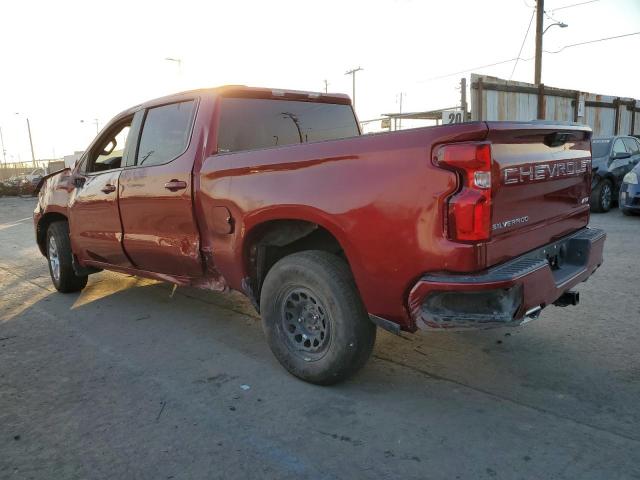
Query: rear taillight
469	210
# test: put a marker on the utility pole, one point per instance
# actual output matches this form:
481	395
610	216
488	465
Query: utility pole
33	155
463	98
178	62
353	79
96	123
539	32
4	151
326	86
401	94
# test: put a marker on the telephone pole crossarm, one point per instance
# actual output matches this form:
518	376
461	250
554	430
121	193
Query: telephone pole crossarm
352	72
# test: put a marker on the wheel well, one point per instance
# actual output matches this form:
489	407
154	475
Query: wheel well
607	176
43	225
269	242
615	186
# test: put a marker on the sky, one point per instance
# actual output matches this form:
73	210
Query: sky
66	61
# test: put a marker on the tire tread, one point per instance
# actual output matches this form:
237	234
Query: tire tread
336	273
69	282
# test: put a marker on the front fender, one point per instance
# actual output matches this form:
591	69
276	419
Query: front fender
43	179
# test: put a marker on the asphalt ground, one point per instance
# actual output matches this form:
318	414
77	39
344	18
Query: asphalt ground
126	381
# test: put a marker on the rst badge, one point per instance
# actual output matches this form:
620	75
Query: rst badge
535	172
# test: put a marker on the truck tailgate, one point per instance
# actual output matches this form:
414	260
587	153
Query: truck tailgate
542	180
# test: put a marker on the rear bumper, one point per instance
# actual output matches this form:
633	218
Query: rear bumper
630	197
508	293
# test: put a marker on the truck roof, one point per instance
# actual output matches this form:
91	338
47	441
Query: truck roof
248	92
236	91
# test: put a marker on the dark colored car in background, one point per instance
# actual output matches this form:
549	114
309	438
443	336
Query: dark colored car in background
613	158
629	201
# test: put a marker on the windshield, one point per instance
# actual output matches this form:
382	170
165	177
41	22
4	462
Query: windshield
600	147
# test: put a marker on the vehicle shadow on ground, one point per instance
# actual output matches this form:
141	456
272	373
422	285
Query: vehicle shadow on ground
539	366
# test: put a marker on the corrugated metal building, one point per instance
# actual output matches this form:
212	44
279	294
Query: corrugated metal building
498	99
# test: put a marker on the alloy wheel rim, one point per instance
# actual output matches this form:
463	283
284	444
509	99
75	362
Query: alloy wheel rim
305	324
54	259
606	196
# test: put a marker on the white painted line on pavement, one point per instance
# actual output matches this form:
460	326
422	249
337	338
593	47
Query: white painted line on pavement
4	226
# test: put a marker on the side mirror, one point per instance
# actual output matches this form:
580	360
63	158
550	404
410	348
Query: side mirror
621	156
109	147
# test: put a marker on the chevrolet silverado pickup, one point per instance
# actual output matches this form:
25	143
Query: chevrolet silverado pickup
329	233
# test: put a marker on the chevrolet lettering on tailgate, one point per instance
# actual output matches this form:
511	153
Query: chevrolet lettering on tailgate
545	171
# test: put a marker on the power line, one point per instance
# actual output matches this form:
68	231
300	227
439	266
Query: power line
471	69
573	5
592	41
522	46
524	59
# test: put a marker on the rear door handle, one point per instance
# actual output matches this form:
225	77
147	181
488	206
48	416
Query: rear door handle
108	188
175	185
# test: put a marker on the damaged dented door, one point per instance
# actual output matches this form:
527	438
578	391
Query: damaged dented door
94	219
159	228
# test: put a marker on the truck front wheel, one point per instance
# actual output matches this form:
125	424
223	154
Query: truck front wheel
314	319
59	257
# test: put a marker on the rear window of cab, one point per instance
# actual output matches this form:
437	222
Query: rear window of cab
256	123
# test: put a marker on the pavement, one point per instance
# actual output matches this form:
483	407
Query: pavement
126	381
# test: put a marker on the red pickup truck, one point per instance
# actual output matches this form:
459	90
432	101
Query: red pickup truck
276	193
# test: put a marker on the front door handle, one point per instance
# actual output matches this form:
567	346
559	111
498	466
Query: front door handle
108	188
175	185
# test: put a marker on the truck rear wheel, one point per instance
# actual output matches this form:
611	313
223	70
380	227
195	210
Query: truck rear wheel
59	257
314	319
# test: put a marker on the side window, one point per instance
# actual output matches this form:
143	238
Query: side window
618	147
107	155
254	123
632	145
129	158
165	133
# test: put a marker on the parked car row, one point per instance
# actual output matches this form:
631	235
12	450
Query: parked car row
615	173
629	200
22	184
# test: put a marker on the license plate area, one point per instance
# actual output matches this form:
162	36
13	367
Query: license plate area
556	255
566	258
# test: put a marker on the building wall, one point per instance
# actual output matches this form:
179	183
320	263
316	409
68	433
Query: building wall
521	103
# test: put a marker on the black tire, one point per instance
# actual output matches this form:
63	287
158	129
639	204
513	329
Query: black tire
64	278
332	336
602	196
